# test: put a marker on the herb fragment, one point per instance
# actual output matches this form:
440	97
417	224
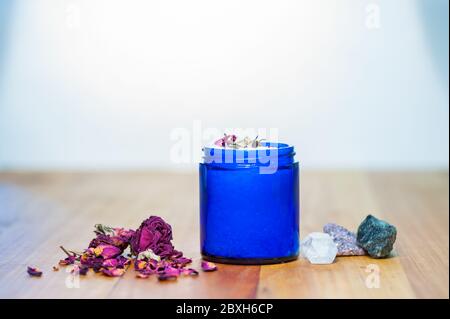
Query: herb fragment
230	141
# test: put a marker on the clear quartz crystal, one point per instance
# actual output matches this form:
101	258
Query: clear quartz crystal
318	248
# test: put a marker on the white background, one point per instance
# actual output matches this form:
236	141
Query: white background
102	84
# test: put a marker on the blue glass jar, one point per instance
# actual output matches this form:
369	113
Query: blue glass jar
249	204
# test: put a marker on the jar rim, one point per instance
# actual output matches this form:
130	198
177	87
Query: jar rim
281	153
266	146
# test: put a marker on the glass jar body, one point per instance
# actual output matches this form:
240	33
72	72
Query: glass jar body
247	217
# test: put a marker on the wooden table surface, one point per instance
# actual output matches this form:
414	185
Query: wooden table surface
41	211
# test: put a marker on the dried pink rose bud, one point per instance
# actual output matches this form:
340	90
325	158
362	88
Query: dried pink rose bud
155	234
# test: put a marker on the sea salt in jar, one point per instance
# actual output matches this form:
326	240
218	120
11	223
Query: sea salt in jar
249	204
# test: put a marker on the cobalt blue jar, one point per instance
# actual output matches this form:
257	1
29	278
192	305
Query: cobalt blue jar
249	204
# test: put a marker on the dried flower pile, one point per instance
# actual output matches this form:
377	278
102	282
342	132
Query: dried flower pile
149	248
232	141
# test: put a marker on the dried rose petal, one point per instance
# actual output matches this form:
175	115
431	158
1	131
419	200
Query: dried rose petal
226	140
221	142
182	261
108	240
125	234
208	266
89	252
169	270
110	263
166	277
123	261
118	262
83	270
166	250
34	271
118	237
139	265
169	274
96	263
153	264
162	266
107	251
141	275
147	271
190	272
97	269
176	254
91	261
113	272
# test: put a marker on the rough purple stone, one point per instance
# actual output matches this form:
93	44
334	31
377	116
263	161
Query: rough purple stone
345	240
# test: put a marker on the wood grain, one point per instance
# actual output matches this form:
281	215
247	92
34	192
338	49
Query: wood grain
41	210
